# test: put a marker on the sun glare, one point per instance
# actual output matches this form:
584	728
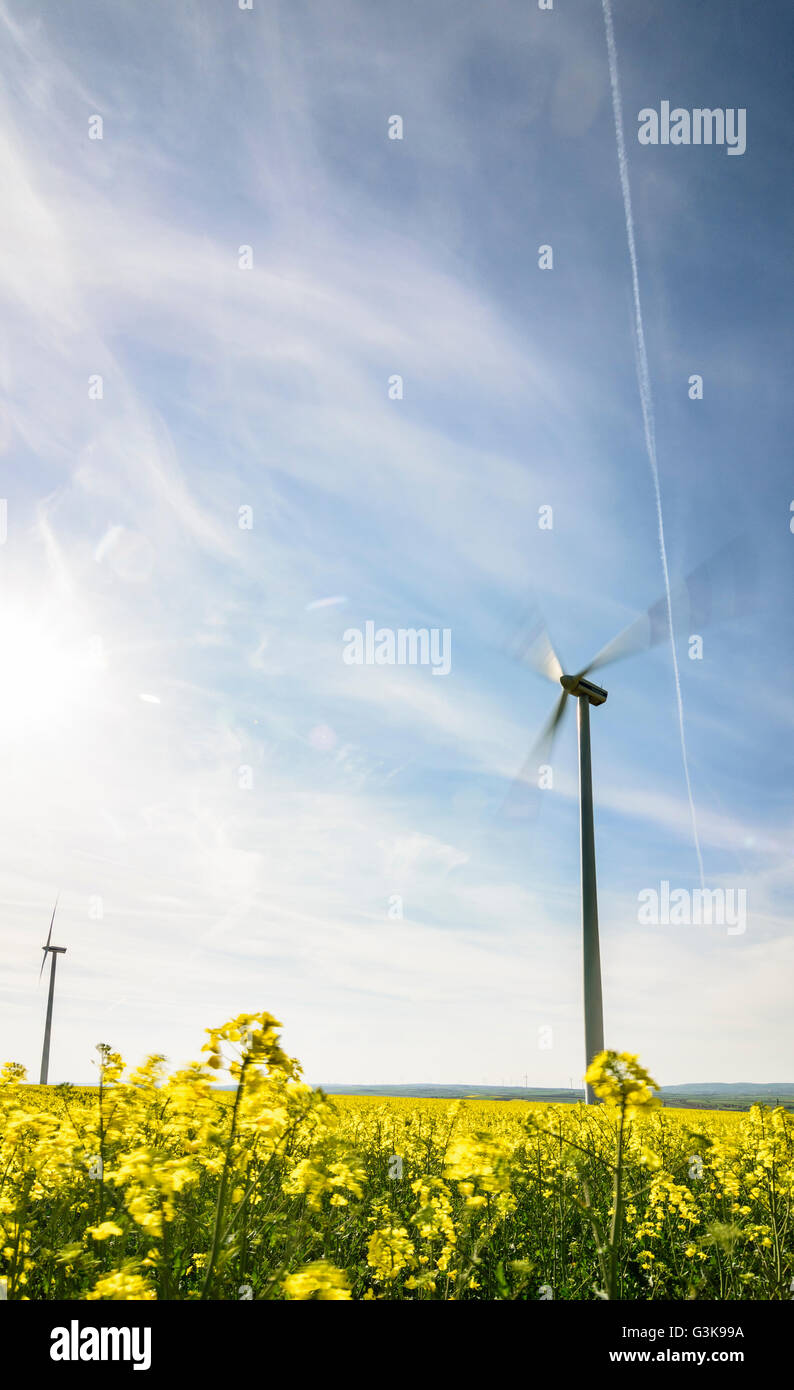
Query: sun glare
45	671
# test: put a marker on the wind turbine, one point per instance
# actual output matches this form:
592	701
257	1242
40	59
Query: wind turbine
719	588
54	951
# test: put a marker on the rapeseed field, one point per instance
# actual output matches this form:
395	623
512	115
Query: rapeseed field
155	1185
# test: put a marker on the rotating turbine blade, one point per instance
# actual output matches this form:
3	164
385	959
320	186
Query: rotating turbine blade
645	632
721	588
521	798
49	938
535	649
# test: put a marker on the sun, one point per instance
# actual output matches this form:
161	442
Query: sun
47	669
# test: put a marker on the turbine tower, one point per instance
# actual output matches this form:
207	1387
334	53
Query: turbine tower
722	587
54	951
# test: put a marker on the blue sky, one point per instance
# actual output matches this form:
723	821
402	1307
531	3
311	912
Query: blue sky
125	572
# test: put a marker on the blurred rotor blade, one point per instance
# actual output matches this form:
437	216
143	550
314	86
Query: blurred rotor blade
49	938
721	588
534	648
647	631
521	799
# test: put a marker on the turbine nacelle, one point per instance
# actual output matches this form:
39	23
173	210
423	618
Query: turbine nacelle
577	685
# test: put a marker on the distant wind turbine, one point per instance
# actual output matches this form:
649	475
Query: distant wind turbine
54	951
717	589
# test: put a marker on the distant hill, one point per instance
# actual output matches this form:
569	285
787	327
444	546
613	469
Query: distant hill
698	1095
716	1095
745	1087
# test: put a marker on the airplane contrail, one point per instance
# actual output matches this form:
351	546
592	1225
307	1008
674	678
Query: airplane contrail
646	396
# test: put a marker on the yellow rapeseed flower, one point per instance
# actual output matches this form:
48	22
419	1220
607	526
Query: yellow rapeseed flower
319	1280
104	1230
618	1080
